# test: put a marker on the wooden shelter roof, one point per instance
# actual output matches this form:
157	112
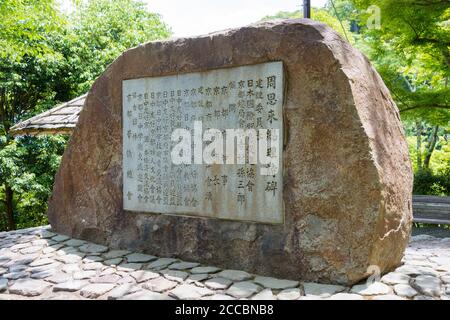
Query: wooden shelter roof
61	119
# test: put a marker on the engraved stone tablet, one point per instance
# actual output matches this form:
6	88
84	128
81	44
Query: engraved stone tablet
248	98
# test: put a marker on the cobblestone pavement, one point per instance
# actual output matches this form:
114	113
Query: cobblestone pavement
38	264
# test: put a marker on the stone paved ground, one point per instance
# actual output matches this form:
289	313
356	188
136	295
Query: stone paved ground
38	264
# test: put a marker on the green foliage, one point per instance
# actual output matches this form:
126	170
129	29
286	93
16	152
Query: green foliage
27	59
434	179
411	51
29	165
47	58
24	25
440	160
25	84
342	8
321	15
429	183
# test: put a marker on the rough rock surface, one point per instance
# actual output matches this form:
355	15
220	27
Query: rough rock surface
142	281
347	183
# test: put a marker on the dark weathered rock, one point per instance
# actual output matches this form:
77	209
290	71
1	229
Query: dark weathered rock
347	184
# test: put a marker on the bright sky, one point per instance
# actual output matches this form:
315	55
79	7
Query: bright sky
195	17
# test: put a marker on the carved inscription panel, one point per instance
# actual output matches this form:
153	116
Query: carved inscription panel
200	173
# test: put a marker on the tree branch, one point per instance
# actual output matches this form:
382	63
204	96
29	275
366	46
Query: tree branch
430	3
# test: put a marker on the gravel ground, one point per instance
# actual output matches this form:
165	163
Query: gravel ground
435	231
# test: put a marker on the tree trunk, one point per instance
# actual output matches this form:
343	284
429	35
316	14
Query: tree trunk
9	207
430	147
419	145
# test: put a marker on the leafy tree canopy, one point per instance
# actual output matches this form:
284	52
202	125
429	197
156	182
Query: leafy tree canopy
98	32
410	48
24	25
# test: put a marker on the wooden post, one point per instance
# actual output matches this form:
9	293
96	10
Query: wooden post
307	9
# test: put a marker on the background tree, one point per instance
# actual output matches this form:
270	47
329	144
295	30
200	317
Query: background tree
322	15
27	67
97	33
49	57
411	51
24	25
28	167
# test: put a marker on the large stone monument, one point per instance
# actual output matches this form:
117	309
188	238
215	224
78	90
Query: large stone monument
336	200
